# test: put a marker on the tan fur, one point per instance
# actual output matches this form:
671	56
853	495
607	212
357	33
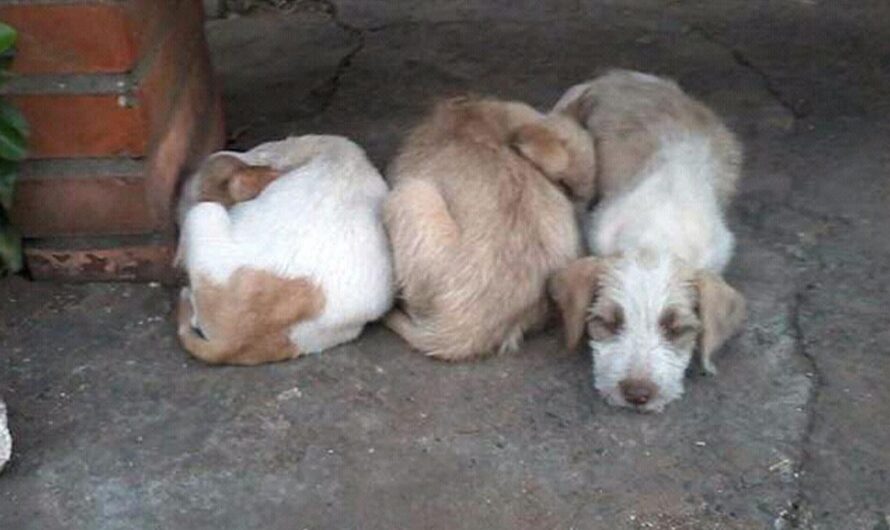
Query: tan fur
626	118
573	289
478	220
227	180
721	310
246	321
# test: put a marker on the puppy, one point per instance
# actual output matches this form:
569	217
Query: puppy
667	168
480	216
297	269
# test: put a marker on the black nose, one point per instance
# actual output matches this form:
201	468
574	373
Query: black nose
637	391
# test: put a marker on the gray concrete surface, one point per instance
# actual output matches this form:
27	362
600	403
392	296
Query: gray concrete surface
116	427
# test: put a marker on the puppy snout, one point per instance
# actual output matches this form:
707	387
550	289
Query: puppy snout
638	391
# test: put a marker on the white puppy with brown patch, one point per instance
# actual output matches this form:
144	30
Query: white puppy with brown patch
300	268
652	295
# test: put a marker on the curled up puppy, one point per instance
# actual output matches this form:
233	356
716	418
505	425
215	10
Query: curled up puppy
297	263
652	296
480	215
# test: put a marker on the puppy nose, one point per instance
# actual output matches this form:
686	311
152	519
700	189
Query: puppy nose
637	391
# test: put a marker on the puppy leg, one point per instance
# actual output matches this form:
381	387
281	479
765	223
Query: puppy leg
421	229
197	345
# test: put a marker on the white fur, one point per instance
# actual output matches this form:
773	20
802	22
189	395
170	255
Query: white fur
643	285
321	220
673	211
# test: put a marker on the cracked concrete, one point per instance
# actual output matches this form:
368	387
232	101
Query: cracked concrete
116	428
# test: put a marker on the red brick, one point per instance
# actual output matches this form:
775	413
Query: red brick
133	258
85	37
73	198
195	130
183	48
83	126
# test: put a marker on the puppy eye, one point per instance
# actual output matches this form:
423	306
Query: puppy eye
673	329
605	327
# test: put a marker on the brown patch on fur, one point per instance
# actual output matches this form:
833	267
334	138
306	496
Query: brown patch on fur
476	228
573	288
721	310
227	180
246	321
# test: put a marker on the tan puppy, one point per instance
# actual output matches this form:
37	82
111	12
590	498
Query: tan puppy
479	218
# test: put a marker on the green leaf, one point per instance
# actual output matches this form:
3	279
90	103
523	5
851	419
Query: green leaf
7	37
8	172
12	116
10	247
12	143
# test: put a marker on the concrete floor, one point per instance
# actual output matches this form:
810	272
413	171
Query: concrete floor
116	427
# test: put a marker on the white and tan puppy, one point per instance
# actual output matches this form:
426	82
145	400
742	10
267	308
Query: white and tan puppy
480	216
653	295
300	268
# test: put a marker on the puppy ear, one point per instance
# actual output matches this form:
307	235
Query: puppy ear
577	104
249	181
538	144
215	175
721	310
573	289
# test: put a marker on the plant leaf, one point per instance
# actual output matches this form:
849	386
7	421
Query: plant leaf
10	247
8	172
7	37
12	143
12	116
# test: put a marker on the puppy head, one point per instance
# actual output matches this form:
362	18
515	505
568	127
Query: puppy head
228	180
645	316
562	150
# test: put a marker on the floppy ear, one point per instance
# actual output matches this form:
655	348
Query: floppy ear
249	181
573	289
542	147
721	310
215	175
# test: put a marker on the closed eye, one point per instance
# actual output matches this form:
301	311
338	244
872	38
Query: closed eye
607	326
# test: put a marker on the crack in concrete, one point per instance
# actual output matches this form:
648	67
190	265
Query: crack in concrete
797	112
795	517
328	89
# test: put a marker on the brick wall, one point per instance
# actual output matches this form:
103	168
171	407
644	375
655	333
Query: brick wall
121	102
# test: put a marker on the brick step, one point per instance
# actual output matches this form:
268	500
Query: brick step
142	258
83	196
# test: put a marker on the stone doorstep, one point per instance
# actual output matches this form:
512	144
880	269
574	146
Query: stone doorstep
140	258
111	37
99	115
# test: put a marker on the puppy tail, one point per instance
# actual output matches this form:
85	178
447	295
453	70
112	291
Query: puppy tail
416	336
